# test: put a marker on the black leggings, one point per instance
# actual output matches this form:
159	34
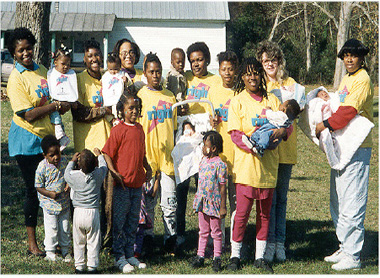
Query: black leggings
28	165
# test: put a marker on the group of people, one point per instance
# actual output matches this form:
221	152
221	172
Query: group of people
123	159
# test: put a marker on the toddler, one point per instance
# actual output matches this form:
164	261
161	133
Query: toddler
124	152
86	183
175	80
62	82
54	199
112	82
260	140
210	199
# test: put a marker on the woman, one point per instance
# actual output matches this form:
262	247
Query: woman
349	187
129	54
30	100
91	121
255	178
271	57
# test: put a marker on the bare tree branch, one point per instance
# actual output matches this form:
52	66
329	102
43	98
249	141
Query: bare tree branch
327	13
366	12
275	24
285	19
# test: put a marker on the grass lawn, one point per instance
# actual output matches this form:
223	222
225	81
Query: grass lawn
310	232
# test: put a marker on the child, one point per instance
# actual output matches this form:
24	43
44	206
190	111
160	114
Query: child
188	129
159	121
260	139
63	86
112	82
175	80
86	183
54	199
210	199
124	152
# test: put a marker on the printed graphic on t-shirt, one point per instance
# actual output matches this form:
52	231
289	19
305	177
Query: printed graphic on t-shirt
260	120
113	81
159	113
198	92
98	99
61	79
343	93
222	112
43	92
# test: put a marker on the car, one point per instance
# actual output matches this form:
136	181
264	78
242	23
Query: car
7	65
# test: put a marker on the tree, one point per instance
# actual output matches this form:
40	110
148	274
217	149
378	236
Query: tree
35	16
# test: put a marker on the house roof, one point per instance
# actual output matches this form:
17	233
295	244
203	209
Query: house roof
149	10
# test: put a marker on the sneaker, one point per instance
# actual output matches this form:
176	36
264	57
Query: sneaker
249	144
336	257
270	251
123	265
135	262
197	262
64	141
258	152
51	257
170	245
68	258
261	263
280	252
217	264
80	271
234	264
92	270
347	262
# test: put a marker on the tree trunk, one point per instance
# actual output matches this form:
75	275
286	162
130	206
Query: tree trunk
308	38
342	36
35	16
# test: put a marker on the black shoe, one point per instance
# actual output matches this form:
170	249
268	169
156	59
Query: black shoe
94	271
234	264
197	262
78	271
217	264
261	263
170	245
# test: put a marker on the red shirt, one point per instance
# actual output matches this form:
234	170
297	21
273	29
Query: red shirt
126	147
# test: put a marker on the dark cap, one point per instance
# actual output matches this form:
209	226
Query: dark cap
353	46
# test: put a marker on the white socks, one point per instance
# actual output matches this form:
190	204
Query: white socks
235	249
59	133
260	248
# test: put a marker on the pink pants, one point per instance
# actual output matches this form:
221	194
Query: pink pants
244	201
207	224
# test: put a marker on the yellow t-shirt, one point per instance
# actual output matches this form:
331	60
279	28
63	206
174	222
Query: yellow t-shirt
159	122
243	115
198	88
357	91
221	98
27	90
287	149
93	134
139	74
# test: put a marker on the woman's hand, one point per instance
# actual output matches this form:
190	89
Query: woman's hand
214	121
64	106
278	134
319	128
97	152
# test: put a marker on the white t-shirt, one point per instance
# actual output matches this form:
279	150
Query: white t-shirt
112	88
63	87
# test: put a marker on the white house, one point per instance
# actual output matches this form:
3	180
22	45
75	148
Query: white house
154	26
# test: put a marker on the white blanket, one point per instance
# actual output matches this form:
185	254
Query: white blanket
112	88
62	87
295	91
200	121
341	144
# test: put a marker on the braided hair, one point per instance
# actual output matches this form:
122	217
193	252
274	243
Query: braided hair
151	57
127	94
250	65
61	52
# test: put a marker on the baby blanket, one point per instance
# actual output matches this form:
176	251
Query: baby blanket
341	144
295	91
62	87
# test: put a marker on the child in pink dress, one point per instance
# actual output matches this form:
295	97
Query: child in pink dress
210	199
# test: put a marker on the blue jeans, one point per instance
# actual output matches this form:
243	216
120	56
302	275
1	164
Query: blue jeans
348	201
126	214
277	224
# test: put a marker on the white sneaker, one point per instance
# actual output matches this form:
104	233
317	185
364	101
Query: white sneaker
245	139
68	258
123	265
280	252
335	257
52	257
347	262
135	262
269	251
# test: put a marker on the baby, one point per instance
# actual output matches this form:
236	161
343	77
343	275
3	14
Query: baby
260	139
188	129
175	80
323	95
112	83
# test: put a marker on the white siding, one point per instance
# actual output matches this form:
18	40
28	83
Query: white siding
162	37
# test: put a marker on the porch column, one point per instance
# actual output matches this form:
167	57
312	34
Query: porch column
53	42
105	45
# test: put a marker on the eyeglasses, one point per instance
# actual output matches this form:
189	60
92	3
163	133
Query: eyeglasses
273	61
126	52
